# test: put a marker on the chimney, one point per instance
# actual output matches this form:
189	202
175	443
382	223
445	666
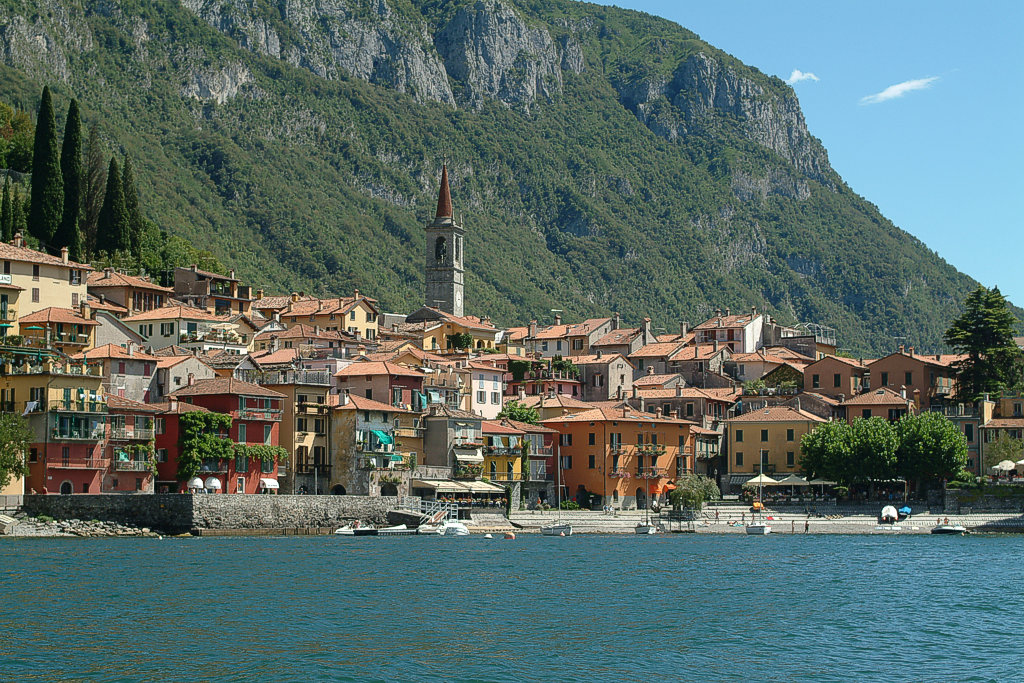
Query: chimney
798	403
635	391
647	336
728	311
302	295
191	379
718	312
194	267
903	392
345	399
319	305
902	348
259	293
616	321
684	329
911	350
753	312
716	346
650	369
86	311
294	297
231	273
938	356
625	410
316	330
657	412
355	294
172	403
679	390
277	316
131	348
599	353
19	241
107	272
558	318
531	329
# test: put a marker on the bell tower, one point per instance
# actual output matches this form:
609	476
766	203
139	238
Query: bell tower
444	272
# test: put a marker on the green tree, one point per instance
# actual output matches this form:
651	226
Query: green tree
19	218
112	231
692	491
1005	447
6	213
15	436
94	184
514	410
873	444
16	134
136	228
984	332
930	448
198	441
826	452
68	234
460	340
47	183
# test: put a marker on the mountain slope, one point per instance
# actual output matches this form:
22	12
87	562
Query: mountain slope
602	160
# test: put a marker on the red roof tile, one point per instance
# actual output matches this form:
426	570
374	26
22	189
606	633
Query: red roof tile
225	386
56	315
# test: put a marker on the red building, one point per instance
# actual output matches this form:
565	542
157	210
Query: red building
381	381
255	420
167	432
129	435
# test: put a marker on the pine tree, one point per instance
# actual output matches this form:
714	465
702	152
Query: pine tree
47	184
112	225
68	234
6	213
94	184
131	203
984	333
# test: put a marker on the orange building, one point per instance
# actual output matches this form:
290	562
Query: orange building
927	377
836	376
620	456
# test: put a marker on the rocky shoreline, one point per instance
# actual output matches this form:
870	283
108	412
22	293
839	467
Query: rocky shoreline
70	528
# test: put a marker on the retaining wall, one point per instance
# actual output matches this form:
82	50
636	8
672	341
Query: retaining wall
999	498
176	513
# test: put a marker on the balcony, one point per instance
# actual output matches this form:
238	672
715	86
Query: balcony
272	415
538	473
541	451
311	468
80	406
467	444
87	464
132	433
131	465
308	377
943	390
651	449
651	473
620	473
318	409
72	434
391	461
410	432
506	476
503	451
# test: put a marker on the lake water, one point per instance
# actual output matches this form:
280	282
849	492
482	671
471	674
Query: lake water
594	608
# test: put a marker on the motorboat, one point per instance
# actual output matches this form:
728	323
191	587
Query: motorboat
399	530
450	528
356	529
758	529
950	529
558	529
889	514
429	529
645	529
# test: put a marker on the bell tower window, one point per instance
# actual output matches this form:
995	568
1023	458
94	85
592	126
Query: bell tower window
440	249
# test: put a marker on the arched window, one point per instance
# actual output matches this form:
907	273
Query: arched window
441	249
458	249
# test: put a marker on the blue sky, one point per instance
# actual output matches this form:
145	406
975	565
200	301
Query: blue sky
919	104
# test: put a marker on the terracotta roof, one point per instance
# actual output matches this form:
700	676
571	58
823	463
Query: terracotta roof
724	395
702	352
467	321
776	414
1004	423
824	398
761	356
587	326
278	357
114	351
496	427
173	312
301	331
559	400
56	315
516	333
724	321
170	361
852	362
882	396
617	337
182	407
115	402
615	413
938	359
173	350
225	385
477	365
221	359
413	351
360	403
445	411
682	339
655	380
213	275
592	359
656	350
116	279
369	368
529	428
9	252
553	332
444	196
276	302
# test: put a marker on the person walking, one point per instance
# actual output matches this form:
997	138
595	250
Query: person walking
807	525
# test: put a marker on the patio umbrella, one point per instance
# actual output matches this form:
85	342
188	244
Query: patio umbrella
1006	465
761	480
822	482
793	481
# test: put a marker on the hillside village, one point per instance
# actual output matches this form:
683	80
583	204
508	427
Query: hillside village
122	380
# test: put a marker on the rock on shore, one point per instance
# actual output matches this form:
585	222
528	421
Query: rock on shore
31	526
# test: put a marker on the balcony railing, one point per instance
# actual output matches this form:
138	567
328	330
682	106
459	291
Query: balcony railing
132	433
80	406
272	415
503	451
95	434
505	476
651	449
620	473
11	314
87	464
375	447
312	409
538	473
310	468
651	472
313	377
131	465
467	444
410	432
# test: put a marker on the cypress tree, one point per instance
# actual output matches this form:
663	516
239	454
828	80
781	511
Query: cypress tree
6	213
47	184
68	234
131	203
112	225
18	217
94	183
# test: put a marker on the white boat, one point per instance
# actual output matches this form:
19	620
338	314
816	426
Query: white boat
645	529
950	529
450	528
758	529
429	529
558	528
399	530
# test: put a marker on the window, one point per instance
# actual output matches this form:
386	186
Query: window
352	315
33	455
558	345
908	378
300	424
739	459
267	432
74	300
241	432
565	439
790	435
689	410
161	424
241	463
161	455
566	462
764	435
837	380
496	398
591	439
815	381
120	367
865	413
885	379
739	436
969	432
481	397
240	485
318	426
790	459
7	267
591	461
35	295
35	272
577	344
543	346
166	329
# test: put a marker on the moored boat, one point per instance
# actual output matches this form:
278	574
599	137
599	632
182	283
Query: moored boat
758	529
950	529
556	530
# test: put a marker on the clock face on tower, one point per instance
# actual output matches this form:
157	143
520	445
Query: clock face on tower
458	299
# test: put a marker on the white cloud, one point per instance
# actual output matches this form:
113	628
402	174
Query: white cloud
799	75
899	90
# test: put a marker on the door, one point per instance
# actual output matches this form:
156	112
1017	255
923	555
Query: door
641	499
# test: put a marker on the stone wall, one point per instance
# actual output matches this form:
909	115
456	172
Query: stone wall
180	513
988	499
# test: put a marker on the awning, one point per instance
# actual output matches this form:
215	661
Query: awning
395	457
211	483
269	484
196	483
474	458
383	437
435	397
439	485
740	478
482	487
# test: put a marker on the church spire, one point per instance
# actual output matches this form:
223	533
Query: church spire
444	198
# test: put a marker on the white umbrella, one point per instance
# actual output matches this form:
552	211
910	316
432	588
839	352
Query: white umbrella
1020	463
212	483
793	480
195	483
760	480
1006	465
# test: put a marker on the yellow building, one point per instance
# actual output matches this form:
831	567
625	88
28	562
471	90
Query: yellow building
305	426
436	329
33	280
767	440
59	328
356	314
503	452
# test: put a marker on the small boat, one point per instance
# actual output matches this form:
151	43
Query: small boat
356	529
758	529
450	528
400	530
556	530
428	529
950	529
645	529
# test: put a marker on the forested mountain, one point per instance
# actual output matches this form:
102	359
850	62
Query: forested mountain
601	159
